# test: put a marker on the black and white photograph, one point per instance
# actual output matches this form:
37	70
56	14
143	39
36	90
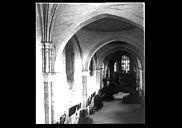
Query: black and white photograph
90	63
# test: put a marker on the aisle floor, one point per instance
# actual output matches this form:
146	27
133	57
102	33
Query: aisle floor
116	112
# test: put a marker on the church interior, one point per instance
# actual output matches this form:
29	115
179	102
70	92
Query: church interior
90	63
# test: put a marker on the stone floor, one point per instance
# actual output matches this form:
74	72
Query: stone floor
115	112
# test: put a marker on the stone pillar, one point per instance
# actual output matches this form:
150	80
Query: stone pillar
101	77
84	85
98	79
47	98
143	80
52	99
46	57
84	111
119	65
46	68
140	79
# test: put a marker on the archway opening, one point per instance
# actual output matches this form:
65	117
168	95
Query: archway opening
120	66
120	80
121	72
92	78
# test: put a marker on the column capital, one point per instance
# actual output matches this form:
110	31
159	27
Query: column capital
46	42
47	77
46	45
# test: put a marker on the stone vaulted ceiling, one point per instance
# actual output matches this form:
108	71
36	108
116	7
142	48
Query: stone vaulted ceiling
107	25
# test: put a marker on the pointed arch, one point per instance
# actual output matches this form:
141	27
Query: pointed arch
92	18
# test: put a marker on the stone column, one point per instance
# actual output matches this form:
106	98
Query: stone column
84	112
46	68
143	80
84	85
119	65
52	99
101	77
98	79
47	98
46	57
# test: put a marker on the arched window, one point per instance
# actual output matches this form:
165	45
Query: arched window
70	61
91	68
125	63
115	67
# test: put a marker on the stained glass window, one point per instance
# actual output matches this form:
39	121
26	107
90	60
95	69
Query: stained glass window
115	67
125	63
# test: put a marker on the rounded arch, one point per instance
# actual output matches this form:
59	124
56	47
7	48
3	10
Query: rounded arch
127	42
94	16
